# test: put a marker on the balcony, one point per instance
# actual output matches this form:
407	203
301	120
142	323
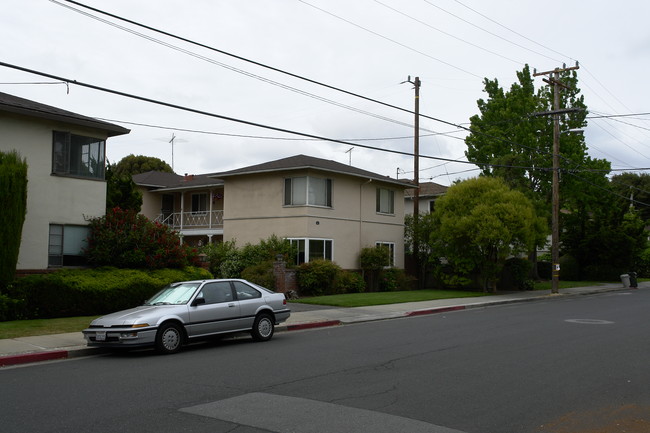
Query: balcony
182	221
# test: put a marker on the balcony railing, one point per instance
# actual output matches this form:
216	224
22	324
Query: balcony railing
192	220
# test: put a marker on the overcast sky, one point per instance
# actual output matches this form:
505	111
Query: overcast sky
368	47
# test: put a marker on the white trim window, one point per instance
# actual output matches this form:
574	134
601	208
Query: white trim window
385	201
67	244
307	190
391	251
78	156
312	249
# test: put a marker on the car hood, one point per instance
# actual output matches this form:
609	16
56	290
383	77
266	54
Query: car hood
142	314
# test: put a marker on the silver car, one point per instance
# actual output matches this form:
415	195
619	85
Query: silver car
192	310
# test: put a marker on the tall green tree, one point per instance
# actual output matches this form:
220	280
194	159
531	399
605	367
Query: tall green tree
633	190
479	223
121	191
511	140
136	164
13	196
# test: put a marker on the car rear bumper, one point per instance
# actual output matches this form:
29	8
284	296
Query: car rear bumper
281	316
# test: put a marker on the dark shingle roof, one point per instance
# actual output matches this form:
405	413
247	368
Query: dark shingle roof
301	162
171	181
427	189
14	104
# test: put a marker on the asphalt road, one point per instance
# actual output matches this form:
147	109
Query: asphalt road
576	365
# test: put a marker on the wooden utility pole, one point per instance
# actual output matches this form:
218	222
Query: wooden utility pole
416	176
555	216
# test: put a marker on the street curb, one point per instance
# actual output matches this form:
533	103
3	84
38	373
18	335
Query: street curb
312	325
26	358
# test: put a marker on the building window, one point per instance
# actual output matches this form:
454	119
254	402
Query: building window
76	155
67	244
307	190
312	249
199	203
390	247
385	201
432	206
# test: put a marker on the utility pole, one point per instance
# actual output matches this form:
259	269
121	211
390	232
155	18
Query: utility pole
416	174
555	215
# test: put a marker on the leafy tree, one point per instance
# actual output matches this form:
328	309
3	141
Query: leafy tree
121	191
479	223
422	232
517	146
609	241
136	164
13	196
126	239
633	190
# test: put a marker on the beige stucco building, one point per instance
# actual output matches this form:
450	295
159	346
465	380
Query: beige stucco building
65	154
327	209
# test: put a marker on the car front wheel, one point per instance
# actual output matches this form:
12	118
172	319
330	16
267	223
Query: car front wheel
263	327
169	338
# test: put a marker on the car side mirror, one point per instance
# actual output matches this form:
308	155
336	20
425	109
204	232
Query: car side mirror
198	301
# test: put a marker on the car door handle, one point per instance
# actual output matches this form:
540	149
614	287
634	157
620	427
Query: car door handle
231	305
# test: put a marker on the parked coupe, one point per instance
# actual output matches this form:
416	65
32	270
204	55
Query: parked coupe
190	310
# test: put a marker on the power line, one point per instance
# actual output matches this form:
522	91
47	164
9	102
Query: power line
244	59
390	40
447	33
234	69
507	28
218	116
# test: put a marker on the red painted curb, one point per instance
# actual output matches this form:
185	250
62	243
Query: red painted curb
26	358
313	325
435	310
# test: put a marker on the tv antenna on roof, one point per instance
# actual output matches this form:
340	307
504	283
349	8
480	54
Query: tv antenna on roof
174	139
350	156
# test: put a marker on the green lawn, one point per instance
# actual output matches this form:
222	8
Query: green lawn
28	328
383	298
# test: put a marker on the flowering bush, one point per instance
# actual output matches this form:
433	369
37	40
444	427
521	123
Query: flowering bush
126	239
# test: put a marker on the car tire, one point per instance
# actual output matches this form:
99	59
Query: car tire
169	338
263	327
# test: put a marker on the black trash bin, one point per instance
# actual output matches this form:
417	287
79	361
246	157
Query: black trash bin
633	282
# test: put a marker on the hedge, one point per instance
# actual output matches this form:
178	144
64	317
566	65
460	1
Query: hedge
87	292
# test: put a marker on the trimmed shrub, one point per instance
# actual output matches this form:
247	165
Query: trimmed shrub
349	282
13	196
261	274
228	261
373	260
394	279
317	277
87	292
126	239
569	268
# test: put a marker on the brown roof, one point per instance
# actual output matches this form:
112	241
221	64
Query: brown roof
301	162
171	181
427	189
14	104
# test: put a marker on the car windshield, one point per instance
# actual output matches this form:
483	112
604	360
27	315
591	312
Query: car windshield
174	294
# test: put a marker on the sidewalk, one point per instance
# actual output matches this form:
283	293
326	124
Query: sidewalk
60	346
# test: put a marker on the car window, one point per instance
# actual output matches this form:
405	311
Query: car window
217	292
244	291
173	294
